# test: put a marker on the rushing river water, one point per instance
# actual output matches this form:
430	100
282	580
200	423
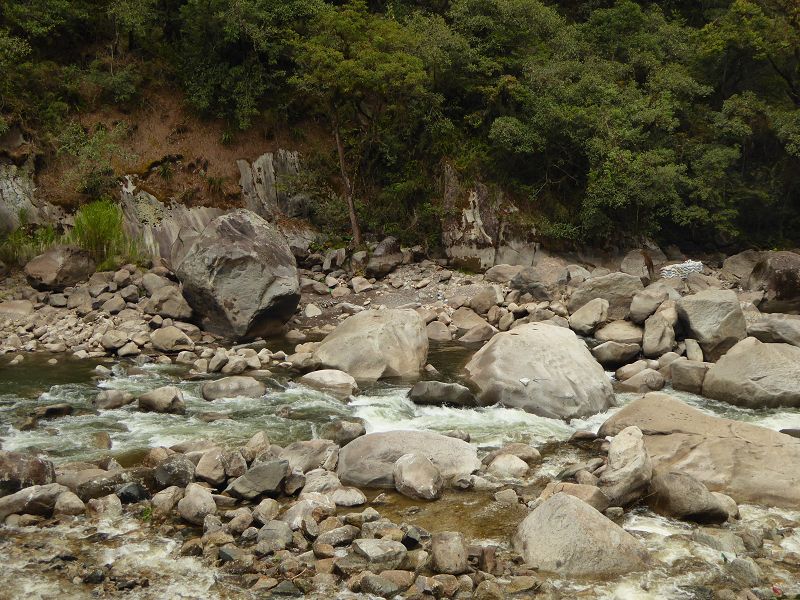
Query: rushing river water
290	412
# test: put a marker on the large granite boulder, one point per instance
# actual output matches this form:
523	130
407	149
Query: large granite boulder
565	535
542	369
332	381
374	344
33	500
646	302
167	399
739	267
168	302
618	288
58	268
369	460
682	496
756	375
233	387
777	274
171	339
417	477
240	277
532	280
438	393
659	337
589	317
747	462
715	319
629	468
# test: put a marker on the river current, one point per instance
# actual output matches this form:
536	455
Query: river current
290	412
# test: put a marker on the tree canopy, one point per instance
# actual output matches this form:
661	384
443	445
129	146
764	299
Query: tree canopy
600	119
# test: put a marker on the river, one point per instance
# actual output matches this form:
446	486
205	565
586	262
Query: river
290	412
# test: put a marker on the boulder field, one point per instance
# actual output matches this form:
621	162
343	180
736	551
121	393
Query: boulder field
535	338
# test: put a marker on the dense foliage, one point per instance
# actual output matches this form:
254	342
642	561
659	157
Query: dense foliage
602	119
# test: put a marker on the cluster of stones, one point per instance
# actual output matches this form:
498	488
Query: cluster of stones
295	520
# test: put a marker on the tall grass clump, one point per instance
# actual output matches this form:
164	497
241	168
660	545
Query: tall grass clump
99	230
25	242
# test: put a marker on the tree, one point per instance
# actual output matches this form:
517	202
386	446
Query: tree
237	53
355	71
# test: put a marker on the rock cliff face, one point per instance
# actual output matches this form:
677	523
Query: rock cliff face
17	188
476	230
266	183
166	230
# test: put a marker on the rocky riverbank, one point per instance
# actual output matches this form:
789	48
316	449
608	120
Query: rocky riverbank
657	499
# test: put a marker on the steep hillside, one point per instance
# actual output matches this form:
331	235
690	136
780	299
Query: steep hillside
602	122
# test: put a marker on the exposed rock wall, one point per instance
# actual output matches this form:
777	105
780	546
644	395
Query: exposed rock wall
478	229
266	185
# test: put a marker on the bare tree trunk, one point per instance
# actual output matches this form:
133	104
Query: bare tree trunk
348	189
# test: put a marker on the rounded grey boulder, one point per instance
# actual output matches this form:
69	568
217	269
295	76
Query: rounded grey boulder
374	344
756	375
231	387
542	369
565	535
438	393
369	460
240	277
58	268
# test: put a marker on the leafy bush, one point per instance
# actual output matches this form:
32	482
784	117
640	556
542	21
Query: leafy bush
92	171
98	229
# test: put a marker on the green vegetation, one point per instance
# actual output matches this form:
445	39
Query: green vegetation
98	228
91	156
601	119
25	242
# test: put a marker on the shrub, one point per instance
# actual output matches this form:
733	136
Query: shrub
91	153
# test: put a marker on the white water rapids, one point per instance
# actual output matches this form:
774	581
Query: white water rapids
289	413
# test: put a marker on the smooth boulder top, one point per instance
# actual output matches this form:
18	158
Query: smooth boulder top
369	460
542	369
333	381
565	535
374	344
747	462
756	375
